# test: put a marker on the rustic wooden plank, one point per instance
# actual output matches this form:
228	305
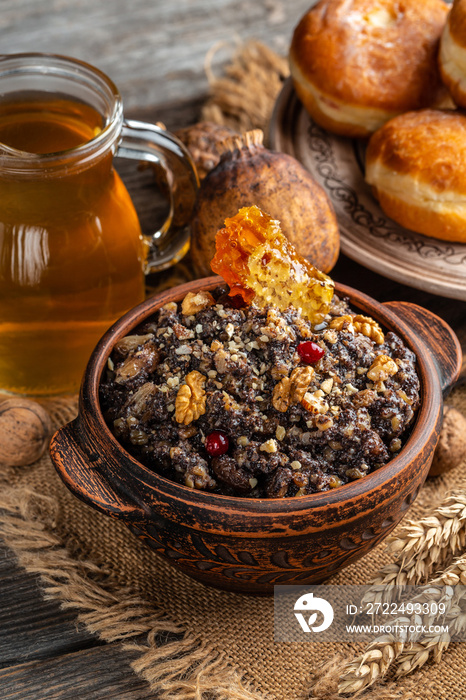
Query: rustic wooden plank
102	673
154	51
31	627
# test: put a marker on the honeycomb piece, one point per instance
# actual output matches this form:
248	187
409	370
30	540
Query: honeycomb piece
260	264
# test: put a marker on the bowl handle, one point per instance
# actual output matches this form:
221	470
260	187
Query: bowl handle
80	472
438	337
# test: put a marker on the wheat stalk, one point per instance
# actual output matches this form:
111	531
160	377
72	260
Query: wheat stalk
421	548
390	648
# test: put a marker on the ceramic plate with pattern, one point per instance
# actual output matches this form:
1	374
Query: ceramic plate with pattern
367	234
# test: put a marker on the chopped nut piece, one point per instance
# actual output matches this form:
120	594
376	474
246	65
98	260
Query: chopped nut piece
216	345
324	422
253	483
351	389
292	389
380	387
190	401
230	330
364	398
300	379
181	332
269	446
334	482
296	465
229	402
314	403
243	441
342	323
382	368
404	396
221	358
171	307
303	328
395	445
281	395
330	336
369	327
183	350
195	302
327	385
280	432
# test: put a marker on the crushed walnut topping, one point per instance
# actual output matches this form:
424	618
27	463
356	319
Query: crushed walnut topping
195	302
368	327
296	424
190	399
382	368
292	389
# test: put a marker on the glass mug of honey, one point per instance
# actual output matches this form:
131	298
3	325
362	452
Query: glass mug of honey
72	255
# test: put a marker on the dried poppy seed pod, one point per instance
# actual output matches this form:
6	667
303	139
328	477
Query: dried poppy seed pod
250	174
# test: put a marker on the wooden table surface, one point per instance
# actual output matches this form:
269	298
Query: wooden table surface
154	51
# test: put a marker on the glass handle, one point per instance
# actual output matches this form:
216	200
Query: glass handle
153	144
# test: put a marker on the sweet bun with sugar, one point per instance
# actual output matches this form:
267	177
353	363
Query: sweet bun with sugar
416	165
452	54
355	64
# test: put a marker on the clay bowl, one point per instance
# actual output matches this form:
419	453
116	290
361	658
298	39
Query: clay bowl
244	544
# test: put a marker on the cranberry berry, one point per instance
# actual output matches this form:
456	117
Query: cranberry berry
216	443
310	352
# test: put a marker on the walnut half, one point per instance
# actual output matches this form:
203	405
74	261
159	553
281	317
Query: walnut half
382	368
191	399
369	327
292	389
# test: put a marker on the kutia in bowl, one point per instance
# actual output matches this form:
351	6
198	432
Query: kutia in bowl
248	512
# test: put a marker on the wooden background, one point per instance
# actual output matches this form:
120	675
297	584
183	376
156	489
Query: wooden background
155	52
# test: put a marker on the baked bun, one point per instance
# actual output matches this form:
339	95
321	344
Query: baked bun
357	63
416	164
452	54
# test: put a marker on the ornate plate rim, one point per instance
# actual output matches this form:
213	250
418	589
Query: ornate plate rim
396	268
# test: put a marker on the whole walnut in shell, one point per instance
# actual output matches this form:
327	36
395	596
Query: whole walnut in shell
247	174
25	430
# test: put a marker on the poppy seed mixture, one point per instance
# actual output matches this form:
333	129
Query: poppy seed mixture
251	401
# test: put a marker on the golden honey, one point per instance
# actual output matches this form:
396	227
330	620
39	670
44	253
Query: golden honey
71	250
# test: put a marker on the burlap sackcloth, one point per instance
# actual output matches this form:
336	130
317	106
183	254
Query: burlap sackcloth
220	644
189	641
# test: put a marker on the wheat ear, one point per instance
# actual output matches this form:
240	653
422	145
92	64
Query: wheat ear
390	648
421	547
